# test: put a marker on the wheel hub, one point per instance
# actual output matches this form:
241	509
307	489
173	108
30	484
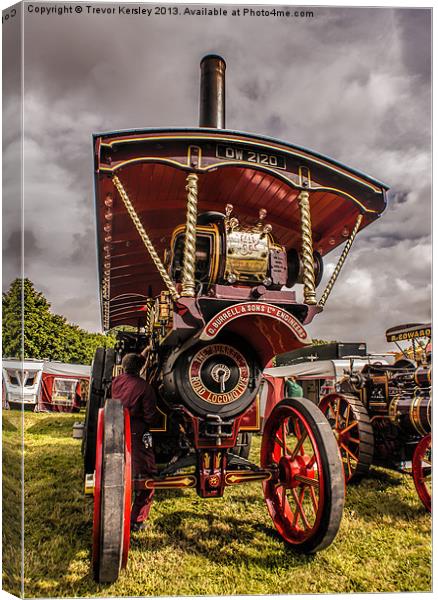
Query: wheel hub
289	468
341	435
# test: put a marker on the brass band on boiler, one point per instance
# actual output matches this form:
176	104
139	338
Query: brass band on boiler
413	411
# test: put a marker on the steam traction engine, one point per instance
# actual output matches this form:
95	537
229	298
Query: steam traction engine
381	414
204	236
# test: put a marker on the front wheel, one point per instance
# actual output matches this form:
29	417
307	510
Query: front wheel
422	470
305	496
112	492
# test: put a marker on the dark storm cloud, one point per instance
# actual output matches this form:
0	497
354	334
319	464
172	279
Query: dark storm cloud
11	256
84	244
12	243
416	42
397	196
352	83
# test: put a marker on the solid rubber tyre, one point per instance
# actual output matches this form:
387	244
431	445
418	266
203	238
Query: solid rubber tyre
353	431
299	446
422	470
128	491
108	367
111	508
97	497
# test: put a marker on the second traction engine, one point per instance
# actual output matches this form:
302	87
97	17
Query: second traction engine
381	413
410	401
399	404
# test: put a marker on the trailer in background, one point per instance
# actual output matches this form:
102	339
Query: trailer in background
21	382
44	386
64	387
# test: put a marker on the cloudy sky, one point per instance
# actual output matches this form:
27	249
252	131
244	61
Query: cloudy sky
352	83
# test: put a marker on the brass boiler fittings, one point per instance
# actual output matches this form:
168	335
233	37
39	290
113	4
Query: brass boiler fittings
411	406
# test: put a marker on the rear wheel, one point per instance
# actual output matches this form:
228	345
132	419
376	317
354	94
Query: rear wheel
353	431
305	497
101	376
243	444
112	493
422	470
93	405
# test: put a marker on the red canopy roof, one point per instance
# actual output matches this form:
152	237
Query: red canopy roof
247	171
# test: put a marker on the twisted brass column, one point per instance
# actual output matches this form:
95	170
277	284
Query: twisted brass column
189	258
340	262
307	248
145	238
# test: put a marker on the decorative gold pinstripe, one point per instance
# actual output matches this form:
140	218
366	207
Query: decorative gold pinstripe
261	143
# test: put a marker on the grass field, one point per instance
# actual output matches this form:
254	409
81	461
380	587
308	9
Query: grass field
201	547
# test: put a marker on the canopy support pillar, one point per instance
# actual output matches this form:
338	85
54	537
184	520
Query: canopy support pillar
145	238
189	257
307	248
341	261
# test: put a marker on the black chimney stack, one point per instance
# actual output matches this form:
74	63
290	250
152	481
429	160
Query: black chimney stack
212	99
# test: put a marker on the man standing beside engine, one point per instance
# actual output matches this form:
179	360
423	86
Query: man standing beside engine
139	398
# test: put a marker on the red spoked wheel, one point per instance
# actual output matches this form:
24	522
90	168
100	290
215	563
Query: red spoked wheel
112	492
422	470
353	431
305	496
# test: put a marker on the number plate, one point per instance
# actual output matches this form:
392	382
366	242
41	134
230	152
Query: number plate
260	158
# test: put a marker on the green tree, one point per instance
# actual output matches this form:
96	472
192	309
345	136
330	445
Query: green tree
31	330
11	321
